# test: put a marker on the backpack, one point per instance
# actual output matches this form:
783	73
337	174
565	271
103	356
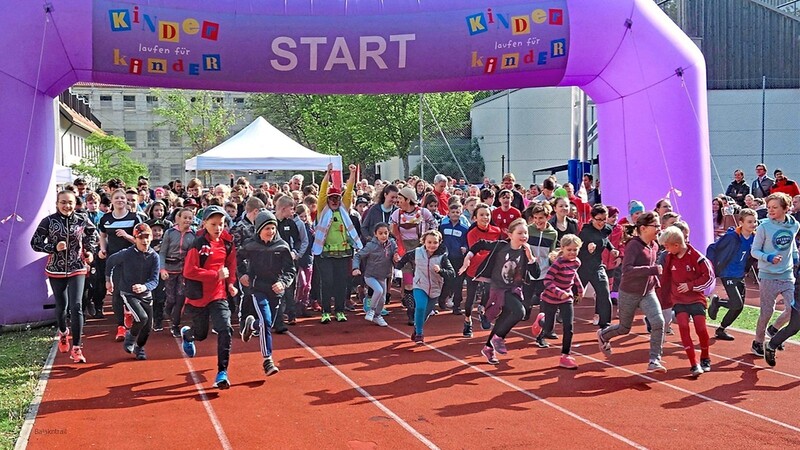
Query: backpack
193	289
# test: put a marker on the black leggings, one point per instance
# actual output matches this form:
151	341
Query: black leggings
475	289
142	311
512	313
68	292
789	330
567	312
735	289
602	299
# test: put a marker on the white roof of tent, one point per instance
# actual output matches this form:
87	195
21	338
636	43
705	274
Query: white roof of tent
260	146
63	174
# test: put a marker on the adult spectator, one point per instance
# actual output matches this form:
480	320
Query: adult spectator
440	190
80	188
508	183
738	189
762	185
177	188
785	185
144	183
592	194
296	183
487	183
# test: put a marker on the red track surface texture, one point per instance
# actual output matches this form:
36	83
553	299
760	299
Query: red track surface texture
355	385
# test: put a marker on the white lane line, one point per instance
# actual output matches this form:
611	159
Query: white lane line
223	438
366	394
33	408
530	394
679	389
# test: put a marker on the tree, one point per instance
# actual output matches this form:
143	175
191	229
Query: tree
362	128
467	152
110	160
198	115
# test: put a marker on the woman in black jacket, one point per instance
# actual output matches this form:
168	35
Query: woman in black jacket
69	239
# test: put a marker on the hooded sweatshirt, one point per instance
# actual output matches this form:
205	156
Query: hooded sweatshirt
776	238
376	258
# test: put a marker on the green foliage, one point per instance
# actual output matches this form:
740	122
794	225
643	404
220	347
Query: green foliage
198	115
362	128
467	152
109	159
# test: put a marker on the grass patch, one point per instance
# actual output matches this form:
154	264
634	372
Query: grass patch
747	320
22	356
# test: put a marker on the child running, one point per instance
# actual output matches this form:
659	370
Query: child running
174	246
508	265
685	277
376	257
477	287
268	270
138	269
210	273
431	269
732	260
561	279
640	272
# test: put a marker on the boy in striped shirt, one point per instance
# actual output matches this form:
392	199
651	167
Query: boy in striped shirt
562	289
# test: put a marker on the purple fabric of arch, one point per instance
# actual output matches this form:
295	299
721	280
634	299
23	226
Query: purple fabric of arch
647	78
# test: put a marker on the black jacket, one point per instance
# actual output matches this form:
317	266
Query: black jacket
738	191
135	267
487	266
266	263
77	231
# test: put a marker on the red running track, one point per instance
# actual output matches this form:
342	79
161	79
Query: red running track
358	386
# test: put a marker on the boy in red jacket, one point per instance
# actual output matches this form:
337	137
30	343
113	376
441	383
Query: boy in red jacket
210	273
685	277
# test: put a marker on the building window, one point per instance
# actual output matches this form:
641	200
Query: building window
175	171
105	98
155	154
155	171
152	138
175	139
238	100
129	101
144	154
151	100
130	138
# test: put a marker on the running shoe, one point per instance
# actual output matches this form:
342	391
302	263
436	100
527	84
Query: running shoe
247	328
485	324
467	330
188	346
221	382
370	315
380	321
366	304
757	348
128	320
175	330
567	362
448	304
536	328
63	342
457	311
384	312
128	343
705	364
541	343
656	366
713	308
158	327
91	310
769	356
326	318
419	339
605	346
77	355
316	306
723	335
349	307
340	317
120	334
139	353
488	353
269	367
696	371
596	319
551	335
499	345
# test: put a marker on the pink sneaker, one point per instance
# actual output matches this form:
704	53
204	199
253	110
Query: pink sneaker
488	353
567	362
63	342
536	328
128	318
499	345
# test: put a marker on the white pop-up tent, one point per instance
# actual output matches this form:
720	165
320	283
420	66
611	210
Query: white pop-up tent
63	174
260	146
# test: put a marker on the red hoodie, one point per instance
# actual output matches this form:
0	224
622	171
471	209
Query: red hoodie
475	234
213	287
694	270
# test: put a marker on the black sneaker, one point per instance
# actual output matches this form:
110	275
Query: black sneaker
705	364
269	367
247	328
552	335
175	330
541	343
457	311
467	330
757	348
769	356
90	310
129	342
723	335
139	353
713	308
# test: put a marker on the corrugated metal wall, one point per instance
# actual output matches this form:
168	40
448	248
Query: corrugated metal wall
744	40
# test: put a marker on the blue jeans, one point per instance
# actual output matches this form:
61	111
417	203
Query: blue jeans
423	305
266	309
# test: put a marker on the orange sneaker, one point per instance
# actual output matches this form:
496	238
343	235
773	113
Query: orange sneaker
77	355
63	342
120	334
128	319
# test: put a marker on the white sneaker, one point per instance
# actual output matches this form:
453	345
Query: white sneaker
449	303
380	322
596	320
370	315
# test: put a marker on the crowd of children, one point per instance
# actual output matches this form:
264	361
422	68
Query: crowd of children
262	257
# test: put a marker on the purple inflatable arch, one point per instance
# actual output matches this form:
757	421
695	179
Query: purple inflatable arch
647	78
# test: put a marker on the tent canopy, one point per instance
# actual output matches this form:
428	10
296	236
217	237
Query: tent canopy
63	174
260	146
